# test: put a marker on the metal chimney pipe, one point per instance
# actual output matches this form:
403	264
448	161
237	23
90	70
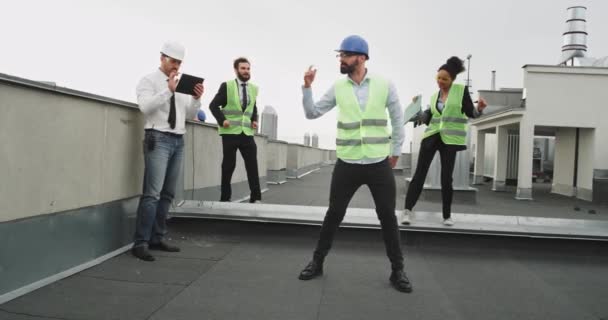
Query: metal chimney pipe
493	80
307	139
575	36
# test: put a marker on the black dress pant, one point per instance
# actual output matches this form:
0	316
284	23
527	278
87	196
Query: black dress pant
245	144
428	147
345	181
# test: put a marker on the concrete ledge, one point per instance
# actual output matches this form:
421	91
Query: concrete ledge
461	195
61	275
40	250
486	224
5	78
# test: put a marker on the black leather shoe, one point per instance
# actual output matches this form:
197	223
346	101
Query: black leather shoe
142	253
163	246
312	270
400	281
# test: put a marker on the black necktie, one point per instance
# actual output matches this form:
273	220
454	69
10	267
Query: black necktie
244	95
172	112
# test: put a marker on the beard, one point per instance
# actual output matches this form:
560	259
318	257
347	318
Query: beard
243	77
348	69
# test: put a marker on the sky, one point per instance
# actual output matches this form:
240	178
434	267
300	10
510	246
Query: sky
105	47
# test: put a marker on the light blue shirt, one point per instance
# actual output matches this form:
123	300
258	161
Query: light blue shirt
328	101
440	105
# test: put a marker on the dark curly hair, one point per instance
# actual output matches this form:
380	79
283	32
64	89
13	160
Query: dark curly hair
236	62
453	66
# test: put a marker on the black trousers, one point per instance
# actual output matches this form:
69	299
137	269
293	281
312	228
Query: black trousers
428	148
345	181
245	144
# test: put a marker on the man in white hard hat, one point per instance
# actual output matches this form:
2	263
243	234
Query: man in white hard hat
165	113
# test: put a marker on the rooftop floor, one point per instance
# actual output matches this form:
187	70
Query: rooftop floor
245	270
313	190
240	270
304	201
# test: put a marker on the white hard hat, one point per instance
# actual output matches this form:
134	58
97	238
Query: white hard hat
173	50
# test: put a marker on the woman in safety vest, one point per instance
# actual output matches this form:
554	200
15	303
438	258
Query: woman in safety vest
446	132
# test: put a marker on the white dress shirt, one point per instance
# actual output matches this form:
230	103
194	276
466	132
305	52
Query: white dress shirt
240	90
154	100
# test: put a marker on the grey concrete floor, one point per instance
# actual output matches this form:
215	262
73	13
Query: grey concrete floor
313	190
238	270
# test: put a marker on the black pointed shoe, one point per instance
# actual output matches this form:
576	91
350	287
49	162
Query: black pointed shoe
400	281
142	253
312	270
163	246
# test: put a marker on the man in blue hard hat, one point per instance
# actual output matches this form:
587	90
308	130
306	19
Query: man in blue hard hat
366	150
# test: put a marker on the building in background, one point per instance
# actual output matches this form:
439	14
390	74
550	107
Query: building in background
315	140
270	122
553	129
307	139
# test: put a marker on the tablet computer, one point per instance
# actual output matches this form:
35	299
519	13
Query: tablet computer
186	84
413	109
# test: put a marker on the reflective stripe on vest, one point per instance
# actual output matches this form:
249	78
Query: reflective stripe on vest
364	122
237	113
362	134
240	121
357	142
451	124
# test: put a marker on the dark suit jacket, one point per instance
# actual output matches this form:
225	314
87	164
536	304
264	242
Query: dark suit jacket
220	100
468	108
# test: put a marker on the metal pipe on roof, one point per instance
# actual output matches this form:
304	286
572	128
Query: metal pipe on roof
575	35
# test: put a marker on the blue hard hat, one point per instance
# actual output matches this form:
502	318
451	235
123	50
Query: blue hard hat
201	115
354	44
